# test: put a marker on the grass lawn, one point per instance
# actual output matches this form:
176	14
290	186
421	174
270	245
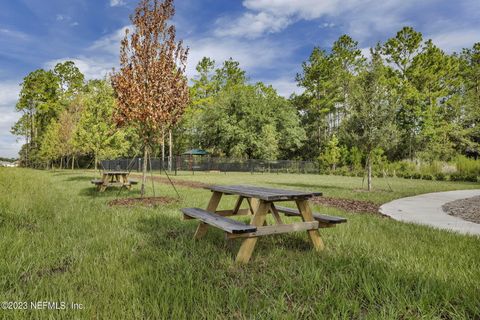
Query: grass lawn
60	241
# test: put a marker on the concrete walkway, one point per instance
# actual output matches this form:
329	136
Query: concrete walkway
427	209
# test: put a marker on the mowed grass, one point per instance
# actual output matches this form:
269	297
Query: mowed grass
60	241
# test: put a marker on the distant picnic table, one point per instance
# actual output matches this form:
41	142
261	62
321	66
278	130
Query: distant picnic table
114	179
261	202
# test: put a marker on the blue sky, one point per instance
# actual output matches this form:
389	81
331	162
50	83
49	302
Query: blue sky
270	38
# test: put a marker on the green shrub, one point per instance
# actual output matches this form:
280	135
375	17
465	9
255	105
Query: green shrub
417	175
467	166
440	176
427	177
470	178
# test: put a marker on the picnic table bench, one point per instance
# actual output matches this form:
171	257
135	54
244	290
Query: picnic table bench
261	202
113	179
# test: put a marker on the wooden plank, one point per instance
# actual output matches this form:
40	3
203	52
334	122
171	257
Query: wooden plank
306	212
211	207
277	229
237	205
267	194
247	246
275	213
213	219
319	217
227	213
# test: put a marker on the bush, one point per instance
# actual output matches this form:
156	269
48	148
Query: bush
440	176
456	176
417	175
470	178
467	166
427	177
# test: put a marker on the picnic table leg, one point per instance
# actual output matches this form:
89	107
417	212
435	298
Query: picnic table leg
104	185
212	207
307	215
248	245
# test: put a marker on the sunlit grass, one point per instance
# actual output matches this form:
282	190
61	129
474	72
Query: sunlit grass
60	241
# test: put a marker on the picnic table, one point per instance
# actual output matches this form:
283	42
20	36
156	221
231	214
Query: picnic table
114	179
261	202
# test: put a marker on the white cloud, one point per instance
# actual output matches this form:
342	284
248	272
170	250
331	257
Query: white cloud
13	34
252	25
328	25
285	86
360	17
9	93
91	67
456	40
110	43
117	3
251	55
9	145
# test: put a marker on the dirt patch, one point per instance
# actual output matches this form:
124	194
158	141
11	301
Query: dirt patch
177	182
146	201
358	206
59	268
466	209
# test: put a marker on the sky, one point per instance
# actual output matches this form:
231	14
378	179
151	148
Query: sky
270	38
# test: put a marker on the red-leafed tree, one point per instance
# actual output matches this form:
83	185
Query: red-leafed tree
151	86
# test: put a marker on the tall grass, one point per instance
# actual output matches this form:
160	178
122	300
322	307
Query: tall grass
467	166
60	241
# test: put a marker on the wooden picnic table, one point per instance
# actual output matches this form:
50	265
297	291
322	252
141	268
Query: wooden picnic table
114	178
261	202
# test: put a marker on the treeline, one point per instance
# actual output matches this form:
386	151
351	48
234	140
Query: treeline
407	100
65	117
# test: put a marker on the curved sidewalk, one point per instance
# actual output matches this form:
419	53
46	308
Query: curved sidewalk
427	209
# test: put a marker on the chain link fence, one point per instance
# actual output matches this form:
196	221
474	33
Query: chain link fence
210	164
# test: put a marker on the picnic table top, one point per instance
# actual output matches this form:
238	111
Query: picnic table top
267	194
115	172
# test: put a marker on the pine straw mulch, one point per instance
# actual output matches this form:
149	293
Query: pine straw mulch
146	201
466	209
357	206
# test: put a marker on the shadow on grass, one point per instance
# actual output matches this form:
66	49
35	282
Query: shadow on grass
92	192
79	178
172	234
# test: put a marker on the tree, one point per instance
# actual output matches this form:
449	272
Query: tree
371	124
96	132
151	87
331	155
50	149
346	59
470	72
38	101
251	121
317	101
435	75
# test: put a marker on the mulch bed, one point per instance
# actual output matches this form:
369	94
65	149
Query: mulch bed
358	206
146	201
466	209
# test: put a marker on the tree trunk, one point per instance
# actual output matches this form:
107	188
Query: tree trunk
144	171
163	148
73	161
61	163
369	174
95	162
170	149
